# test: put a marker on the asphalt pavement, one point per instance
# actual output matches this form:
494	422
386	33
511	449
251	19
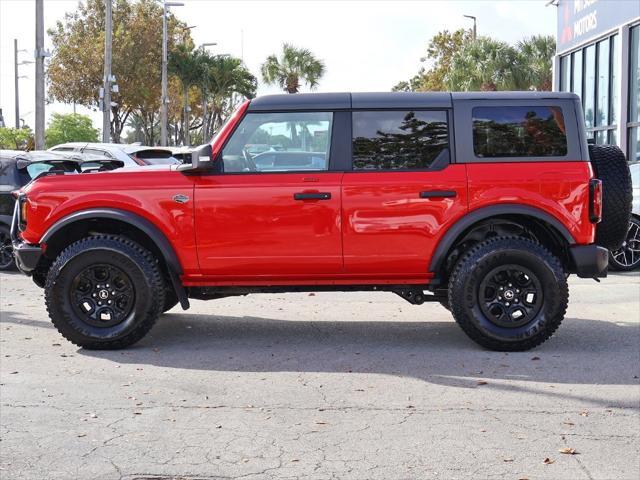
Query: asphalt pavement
322	386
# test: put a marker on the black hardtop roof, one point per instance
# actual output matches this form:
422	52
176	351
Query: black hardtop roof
382	100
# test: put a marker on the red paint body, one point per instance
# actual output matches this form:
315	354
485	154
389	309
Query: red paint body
247	229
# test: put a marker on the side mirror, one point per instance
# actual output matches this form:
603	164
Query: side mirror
201	160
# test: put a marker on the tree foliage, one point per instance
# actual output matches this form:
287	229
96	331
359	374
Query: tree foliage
458	62
294	65
15	138
75	72
71	127
440	52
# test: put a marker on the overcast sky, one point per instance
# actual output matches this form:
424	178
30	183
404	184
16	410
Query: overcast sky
366	45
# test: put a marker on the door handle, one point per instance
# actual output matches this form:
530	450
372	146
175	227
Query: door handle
312	196
438	194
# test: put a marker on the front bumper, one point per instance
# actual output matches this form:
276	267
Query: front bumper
589	261
26	255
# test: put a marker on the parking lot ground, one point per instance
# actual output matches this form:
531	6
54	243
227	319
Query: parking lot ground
345	386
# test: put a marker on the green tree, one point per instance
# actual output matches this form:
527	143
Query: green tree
76	67
191	67
536	59
227	82
440	52
15	138
294	65
71	127
485	64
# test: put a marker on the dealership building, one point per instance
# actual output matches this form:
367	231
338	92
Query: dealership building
598	59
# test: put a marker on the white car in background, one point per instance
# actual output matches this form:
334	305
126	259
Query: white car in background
627	258
131	155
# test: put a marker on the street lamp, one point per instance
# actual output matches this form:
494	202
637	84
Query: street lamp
205	126
17	77
474	24
165	101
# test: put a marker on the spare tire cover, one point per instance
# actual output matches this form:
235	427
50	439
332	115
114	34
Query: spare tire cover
610	166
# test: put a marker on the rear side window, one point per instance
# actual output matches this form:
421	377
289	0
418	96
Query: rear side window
399	140
519	131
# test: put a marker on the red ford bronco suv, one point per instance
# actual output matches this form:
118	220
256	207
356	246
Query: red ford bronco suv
484	203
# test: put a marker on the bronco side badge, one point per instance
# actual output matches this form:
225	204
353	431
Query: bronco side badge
181	198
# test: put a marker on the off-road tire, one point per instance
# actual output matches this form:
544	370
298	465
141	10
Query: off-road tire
136	262
472	269
610	166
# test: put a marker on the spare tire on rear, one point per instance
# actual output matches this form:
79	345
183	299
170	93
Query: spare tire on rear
610	166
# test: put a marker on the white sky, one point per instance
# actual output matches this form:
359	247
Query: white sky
366	45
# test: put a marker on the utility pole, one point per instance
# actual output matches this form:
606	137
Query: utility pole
164	108
15	65
205	126
40	55
475	32
106	100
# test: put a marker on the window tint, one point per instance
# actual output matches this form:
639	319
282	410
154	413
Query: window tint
519	132
392	140
279	142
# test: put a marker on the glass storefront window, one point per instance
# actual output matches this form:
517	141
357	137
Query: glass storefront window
615	80
589	85
576	70
564	73
602	99
634	76
634	144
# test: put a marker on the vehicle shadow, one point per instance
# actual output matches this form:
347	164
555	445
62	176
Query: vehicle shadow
584	351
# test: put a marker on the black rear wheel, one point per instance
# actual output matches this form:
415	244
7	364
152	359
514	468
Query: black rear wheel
104	292
508	293
6	250
627	257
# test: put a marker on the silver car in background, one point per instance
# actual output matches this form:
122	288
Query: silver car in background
627	258
131	155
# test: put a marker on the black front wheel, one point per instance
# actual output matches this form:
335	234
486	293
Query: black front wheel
104	292
6	250
508	293
627	257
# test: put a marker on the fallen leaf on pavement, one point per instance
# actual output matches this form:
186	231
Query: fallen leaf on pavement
481	382
535	358
507	459
548	461
568	451
568	423
584	413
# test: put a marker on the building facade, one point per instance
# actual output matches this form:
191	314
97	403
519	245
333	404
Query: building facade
598	59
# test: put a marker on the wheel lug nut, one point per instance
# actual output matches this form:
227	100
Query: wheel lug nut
510	285
109	302
501	288
94	295
516	300
107	285
507	304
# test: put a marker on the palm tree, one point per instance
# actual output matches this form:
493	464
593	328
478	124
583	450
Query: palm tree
226	78
485	64
189	66
536	57
293	66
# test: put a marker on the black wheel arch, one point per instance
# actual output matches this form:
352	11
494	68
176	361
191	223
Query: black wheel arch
78	224
509	213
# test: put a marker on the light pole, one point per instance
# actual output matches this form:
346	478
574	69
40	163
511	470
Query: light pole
205	126
40	55
475	33
106	85
17	77
165	101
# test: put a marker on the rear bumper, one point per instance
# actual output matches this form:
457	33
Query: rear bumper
589	261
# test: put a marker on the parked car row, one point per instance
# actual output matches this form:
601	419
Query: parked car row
18	168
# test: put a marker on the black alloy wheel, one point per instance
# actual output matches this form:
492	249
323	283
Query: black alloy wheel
102	295
7	261
510	296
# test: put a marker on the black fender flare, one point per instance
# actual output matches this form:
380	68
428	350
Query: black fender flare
447	241
157	237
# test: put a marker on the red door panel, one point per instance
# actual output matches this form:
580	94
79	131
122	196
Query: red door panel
250	225
388	228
